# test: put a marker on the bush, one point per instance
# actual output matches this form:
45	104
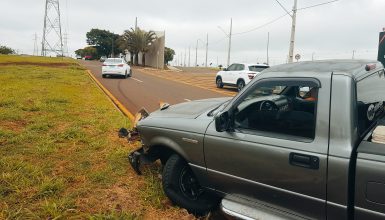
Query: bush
6	50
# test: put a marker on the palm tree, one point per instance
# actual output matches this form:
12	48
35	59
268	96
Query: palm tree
138	40
147	39
132	41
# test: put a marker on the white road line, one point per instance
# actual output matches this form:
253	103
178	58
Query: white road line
137	79
187	100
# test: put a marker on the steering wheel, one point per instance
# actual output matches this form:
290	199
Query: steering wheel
268	105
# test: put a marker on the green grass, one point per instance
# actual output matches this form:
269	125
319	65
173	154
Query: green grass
60	156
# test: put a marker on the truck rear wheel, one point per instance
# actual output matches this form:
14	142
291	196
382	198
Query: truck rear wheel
183	189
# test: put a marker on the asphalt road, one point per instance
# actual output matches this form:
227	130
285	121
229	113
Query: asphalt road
146	90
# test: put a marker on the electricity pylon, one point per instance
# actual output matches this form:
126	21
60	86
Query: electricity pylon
52	41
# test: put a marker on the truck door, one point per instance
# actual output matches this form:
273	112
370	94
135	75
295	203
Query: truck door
276	152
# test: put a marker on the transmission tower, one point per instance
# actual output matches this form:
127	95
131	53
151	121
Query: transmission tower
52	41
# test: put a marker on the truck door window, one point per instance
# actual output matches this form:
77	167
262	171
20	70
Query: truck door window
274	110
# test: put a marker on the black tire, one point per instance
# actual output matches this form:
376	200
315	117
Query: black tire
103	76
125	75
183	189
130	73
219	82
240	85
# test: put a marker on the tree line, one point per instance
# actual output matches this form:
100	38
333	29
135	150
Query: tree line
136	41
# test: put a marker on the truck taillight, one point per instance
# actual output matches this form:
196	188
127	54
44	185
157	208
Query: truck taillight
120	65
251	75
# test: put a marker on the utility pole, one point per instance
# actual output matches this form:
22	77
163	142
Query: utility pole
112	49
207	47
267	49
354	51
35	46
52	29
185	51
136	23
228	53
312	56
189	47
292	37
196	55
66	44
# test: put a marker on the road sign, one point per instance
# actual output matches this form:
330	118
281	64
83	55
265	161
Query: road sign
297	57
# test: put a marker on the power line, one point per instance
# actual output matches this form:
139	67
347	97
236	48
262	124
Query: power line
261	26
312	6
283	7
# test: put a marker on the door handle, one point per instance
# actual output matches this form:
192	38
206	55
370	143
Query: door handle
303	160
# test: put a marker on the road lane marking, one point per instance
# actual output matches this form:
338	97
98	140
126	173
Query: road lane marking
187	100
137	79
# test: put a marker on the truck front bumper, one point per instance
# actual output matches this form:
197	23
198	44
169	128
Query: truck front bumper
138	158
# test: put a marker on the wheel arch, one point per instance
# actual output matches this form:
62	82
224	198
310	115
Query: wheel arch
164	147
241	79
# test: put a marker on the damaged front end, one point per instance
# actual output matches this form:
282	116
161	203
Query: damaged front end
139	157
136	157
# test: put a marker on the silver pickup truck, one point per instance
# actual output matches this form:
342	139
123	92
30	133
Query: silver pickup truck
295	143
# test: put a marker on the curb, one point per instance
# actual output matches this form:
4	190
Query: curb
116	102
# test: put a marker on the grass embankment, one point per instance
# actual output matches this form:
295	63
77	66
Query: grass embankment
60	156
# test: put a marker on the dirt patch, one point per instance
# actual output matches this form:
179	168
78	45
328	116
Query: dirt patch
15	125
37	64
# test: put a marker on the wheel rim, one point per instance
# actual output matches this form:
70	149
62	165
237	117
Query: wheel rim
219	82
240	86
188	184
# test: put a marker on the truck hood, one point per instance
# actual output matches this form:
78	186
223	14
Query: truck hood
189	110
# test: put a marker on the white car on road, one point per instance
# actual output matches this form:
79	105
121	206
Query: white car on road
238	74
116	67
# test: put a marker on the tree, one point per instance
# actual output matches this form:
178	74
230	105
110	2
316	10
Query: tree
103	41
90	51
79	52
138	40
6	50
168	55
127	42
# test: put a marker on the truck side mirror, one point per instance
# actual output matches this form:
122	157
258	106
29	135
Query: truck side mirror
222	122
224	69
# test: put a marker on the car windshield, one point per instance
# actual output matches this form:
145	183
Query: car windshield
257	68
114	60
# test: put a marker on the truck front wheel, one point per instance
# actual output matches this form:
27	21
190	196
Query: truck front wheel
183	189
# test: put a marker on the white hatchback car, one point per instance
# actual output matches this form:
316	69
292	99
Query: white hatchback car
116	67
238	74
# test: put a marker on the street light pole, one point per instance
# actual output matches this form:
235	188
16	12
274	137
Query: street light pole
228	53
267	49
112	49
292	37
196	54
189	56
207	46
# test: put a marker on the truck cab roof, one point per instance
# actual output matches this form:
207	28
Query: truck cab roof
354	68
